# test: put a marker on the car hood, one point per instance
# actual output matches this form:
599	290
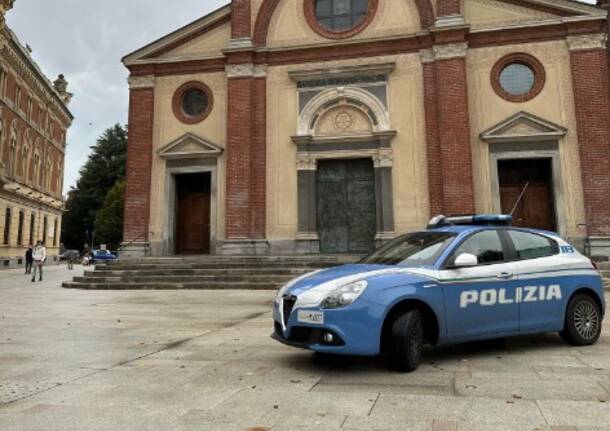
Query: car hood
312	288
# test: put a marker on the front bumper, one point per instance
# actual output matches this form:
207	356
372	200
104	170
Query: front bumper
356	329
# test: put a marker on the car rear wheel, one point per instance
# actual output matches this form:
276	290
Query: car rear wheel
583	324
407	342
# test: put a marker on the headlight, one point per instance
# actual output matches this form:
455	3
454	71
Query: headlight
345	295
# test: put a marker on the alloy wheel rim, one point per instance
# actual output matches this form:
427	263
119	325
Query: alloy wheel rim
586	320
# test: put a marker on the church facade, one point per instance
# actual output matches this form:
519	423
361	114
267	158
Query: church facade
34	120
332	126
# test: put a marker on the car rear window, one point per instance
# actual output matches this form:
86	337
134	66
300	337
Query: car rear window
532	246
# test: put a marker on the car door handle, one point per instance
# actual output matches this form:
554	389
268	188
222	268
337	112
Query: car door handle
505	276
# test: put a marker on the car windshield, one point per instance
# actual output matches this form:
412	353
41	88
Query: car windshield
420	248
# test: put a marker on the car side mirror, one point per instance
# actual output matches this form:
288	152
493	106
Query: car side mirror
466	260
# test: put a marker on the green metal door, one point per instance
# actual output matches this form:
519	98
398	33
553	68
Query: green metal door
346	206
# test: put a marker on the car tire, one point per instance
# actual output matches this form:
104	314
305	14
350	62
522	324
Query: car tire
583	322
407	342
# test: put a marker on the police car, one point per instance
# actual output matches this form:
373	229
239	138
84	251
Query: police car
462	279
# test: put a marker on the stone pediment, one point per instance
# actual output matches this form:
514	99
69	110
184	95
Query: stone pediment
502	13
524	127
190	146
205	37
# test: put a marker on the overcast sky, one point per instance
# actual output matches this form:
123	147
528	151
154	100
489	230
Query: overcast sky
85	40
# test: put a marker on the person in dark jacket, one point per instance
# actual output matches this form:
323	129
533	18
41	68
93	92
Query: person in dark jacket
29	260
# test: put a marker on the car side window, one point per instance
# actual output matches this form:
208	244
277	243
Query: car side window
532	246
486	246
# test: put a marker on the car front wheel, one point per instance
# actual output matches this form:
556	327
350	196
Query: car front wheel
583	324
407	342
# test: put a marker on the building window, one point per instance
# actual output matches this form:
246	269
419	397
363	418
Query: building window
30	104
193	102
518	77
7	226
2	84
55	233
339	18
45	228
36	170
17	98
20	228
32	227
12	159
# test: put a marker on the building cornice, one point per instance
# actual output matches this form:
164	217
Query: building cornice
13	55
542	31
12	189
175	39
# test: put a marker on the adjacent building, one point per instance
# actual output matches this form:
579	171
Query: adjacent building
308	126
34	120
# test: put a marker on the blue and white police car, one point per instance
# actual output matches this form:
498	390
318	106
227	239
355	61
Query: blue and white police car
462	279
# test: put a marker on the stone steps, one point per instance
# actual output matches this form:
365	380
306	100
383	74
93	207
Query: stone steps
213	272
186	278
193	285
213	266
288	272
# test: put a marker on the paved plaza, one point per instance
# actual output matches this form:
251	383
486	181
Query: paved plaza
203	360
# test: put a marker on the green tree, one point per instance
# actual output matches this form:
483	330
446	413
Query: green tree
103	169
109	219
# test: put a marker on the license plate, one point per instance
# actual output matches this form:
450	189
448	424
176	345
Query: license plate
314	317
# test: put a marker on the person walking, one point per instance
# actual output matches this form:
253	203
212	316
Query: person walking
29	260
40	255
72	257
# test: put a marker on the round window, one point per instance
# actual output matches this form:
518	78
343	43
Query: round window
193	102
337	19
341	15
518	77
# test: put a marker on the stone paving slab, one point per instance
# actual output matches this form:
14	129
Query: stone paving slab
77	360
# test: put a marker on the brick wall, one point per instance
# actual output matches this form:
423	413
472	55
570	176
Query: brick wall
139	159
454	137
590	81
448	7
240	18
435	170
239	160
258	194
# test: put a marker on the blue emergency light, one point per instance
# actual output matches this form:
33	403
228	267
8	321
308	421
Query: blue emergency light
471	220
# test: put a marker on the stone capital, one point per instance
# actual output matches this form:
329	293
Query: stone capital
307	163
452	50
385	159
246	70
427	56
144	81
587	42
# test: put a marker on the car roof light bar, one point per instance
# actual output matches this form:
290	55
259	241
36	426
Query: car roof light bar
474	220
